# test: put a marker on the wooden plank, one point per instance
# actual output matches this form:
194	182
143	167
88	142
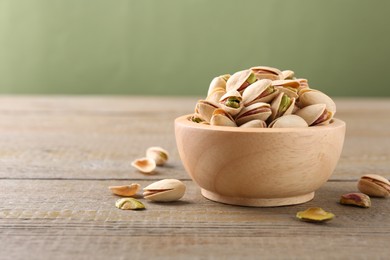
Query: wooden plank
73	218
98	137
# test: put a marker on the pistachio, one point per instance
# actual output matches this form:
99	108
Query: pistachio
288	121
165	190
222	118
129	203
145	165
374	185
125	190
315	215
158	154
356	199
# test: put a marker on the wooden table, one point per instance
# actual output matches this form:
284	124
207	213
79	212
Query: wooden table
58	155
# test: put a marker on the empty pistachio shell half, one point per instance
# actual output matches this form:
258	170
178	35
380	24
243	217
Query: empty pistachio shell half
288	74
374	185
315	215
125	190
260	91
145	165
129	203
158	154
165	190
356	199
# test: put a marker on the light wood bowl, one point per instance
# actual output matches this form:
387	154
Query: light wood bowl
260	167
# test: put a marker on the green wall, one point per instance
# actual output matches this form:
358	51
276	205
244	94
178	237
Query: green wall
177	46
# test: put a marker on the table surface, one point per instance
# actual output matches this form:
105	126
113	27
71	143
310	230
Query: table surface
59	154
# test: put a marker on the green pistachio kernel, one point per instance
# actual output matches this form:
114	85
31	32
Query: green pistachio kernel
284	104
232	102
251	79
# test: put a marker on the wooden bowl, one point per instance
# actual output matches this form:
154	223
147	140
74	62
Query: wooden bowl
260	167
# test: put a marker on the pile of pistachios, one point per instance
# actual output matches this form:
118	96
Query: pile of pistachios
263	97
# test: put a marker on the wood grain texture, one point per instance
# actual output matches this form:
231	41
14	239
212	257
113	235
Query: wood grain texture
58	155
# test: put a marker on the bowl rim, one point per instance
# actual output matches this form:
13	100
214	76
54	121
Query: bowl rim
183	121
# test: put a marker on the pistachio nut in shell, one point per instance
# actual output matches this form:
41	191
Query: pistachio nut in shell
125	190
374	185
288	74
231	102
218	83
288	121
129	203
281	105
205	109
216	95
259	111
158	154
240	80
286	83
254	124
196	118
265	72
311	97
316	114
145	165
291	92
222	118
260	91
356	199
165	190
315	214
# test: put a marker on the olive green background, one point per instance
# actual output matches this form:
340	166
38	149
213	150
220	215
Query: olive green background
175	47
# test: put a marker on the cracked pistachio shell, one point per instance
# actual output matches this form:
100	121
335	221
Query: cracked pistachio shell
288	121
125	190
356	199
129	203
310	97
205	109
288	74
286	83
218	83
222	118
260	91
264	72
259	111
240	80
196	118
216	95
254	124
303	84
158	154
315	114
315	215
282	105
165	190
231	102
145	165
374	185
291	92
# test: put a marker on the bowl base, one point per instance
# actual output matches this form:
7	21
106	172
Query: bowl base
257	202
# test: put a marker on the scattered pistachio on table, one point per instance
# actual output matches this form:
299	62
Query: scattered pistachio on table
315	215
125	190
374	185
263	93
129	203
145	165
166	190
158	154
356	199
